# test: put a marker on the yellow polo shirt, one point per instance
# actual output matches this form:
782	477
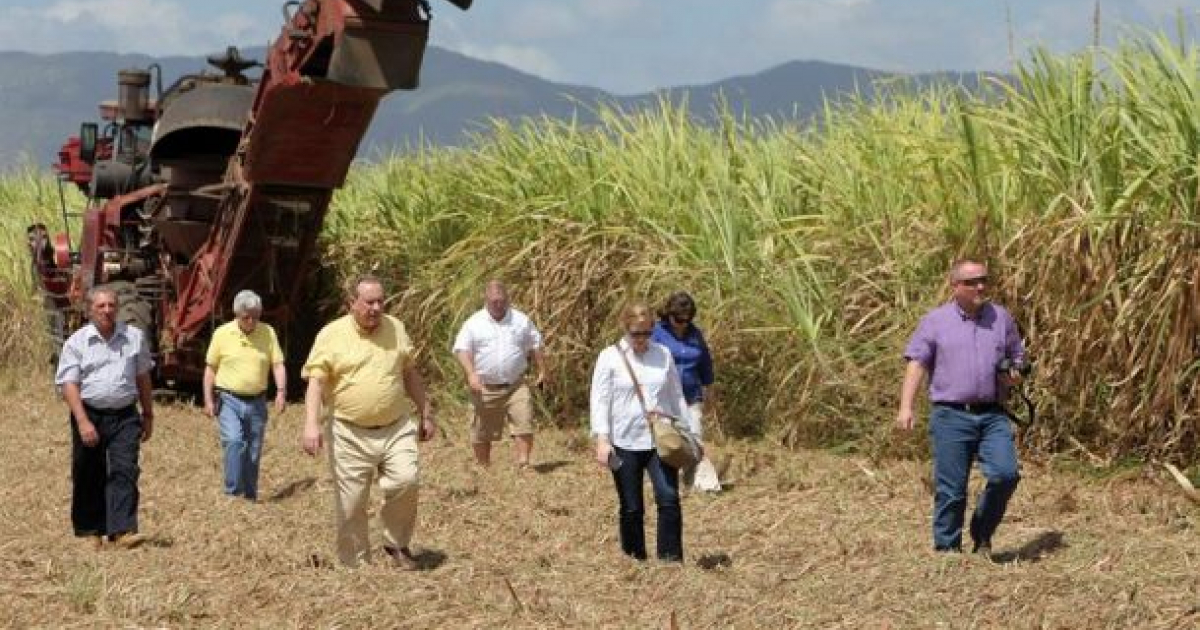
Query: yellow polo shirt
243	362
363	372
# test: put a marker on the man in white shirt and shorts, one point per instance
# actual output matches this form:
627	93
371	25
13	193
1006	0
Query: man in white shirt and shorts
493	349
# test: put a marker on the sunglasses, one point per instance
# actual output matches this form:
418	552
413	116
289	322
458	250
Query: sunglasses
975	282
640	334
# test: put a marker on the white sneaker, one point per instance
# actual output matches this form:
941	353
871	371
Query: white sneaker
706	477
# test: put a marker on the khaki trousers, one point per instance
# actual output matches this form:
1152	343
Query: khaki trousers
496	406
356	456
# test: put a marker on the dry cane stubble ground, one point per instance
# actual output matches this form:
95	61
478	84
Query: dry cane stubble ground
802	539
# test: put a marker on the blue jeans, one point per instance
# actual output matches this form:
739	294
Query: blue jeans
241	422
958	438
664	480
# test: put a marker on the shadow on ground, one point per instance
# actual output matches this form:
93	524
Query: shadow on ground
1045	544
719	560
292	489
159	542
549	467
429	559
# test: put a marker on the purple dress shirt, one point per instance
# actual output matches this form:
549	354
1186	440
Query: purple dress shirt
961	353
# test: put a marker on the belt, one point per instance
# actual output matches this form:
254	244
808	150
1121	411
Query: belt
975	408
497	385
246	397
362	426
101	411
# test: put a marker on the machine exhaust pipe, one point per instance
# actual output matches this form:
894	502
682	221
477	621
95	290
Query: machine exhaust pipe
133	95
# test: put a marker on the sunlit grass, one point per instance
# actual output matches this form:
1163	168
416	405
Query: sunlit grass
812	250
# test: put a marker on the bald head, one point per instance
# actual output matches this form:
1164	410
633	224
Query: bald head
969	283
495	298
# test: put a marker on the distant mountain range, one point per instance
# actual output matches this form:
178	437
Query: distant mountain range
44	98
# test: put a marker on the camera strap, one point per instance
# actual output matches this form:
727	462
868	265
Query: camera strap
1030	410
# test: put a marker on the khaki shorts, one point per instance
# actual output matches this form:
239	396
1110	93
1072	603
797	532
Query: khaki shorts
497	405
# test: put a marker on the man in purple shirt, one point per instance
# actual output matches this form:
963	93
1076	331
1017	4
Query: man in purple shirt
958	346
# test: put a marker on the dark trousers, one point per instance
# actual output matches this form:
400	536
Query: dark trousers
664	480
104	477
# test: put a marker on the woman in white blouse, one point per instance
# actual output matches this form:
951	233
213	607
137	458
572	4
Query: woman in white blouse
623	440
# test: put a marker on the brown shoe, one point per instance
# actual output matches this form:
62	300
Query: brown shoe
402	558
128	540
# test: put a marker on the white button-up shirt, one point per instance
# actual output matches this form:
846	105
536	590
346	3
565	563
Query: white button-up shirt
499	349
105	370
616	411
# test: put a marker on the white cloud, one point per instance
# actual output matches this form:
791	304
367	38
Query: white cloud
116	12
526	58
243	29
133	25
634	45
859	32
542	21
159	27
564	20
816	15
630	45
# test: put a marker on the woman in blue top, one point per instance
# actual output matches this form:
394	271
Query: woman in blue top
676	331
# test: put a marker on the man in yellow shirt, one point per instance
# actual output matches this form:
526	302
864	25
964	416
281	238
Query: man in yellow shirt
359	370
240	355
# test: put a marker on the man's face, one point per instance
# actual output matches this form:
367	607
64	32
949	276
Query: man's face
497	302
248	320
103	310
367	307
970	285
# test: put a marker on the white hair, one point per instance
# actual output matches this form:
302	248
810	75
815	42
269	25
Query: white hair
246	301
105	289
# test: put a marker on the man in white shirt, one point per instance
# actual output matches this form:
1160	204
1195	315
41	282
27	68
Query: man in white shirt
493	349
104	373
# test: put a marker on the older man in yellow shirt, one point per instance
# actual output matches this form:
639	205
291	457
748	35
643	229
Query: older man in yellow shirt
359	371
240	355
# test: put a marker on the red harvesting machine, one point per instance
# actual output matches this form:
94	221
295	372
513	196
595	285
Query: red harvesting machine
221	183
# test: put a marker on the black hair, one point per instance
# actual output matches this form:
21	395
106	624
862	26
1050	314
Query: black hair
679	304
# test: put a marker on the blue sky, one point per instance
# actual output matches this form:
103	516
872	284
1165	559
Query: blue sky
628	46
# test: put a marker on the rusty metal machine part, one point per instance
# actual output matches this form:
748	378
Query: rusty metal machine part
221	182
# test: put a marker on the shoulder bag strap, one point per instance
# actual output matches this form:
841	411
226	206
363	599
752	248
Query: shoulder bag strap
637	388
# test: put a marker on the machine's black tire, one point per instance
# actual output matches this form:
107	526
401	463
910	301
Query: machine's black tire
133	309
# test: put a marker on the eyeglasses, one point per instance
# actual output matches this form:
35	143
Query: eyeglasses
640	334
975	282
